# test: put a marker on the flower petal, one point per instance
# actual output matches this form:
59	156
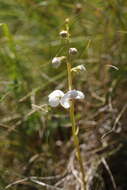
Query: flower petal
78	68
65	102
54	102
54	98
56	93
80	95
72	94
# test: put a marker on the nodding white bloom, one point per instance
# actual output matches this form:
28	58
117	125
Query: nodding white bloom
56	61
58	97
72	94
54	98
78	68
73	51
63	33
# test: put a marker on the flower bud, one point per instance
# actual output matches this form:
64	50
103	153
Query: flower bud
56	61
67	20
73	51
63	33
78	8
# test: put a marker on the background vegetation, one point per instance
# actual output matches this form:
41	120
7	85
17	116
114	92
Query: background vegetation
35	140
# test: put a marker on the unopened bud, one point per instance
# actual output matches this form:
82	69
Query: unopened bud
56	61
78	8
67	20
64	33
73	51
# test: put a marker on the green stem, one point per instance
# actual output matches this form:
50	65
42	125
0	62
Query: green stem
72	115
74	128
69	76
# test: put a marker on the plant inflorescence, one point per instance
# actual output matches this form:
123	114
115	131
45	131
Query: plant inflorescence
67	100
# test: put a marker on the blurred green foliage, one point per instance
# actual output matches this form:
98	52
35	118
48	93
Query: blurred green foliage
29	39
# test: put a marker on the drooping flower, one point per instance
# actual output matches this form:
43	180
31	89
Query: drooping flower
54	98
56	61
72	94
78	68
58	97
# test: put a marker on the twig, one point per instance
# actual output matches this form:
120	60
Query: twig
74	172
35	180
45	185
110	173
116	121
16	182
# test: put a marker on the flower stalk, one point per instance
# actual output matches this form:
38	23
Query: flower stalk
69	76
72	115
74	128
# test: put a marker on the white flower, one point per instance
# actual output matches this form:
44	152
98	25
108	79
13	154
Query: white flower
56	61
78	68
63	33
72	94
73	51
54	98
58	97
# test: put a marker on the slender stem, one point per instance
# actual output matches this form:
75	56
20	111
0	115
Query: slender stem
74	128
69	76
72	115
